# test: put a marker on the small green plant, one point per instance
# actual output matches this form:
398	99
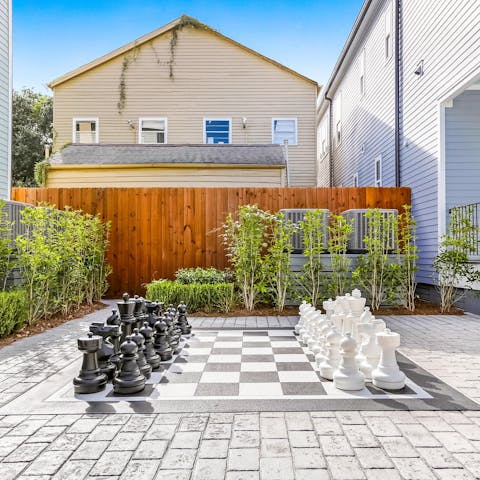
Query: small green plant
375	273
6	246
311	278
13	311
40	172
340	231
247	241
451	265
279	278
200	275
197	296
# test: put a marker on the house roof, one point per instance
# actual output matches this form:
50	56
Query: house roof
161	31
98	154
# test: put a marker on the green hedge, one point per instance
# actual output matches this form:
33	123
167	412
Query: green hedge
207	297
208	275
13	311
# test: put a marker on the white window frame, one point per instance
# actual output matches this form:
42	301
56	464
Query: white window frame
142	119
355	179
211	119
294	119
85	119
362	72
378	180
387	39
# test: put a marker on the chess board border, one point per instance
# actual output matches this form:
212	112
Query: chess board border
44	399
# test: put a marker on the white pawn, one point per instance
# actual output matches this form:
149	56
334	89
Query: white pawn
387	375
369	355
366	316
332	359
348	376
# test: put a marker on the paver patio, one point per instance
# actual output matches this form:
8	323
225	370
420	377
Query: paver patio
249	445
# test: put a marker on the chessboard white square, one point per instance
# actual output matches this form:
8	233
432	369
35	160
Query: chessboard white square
298	376
260	389
285	344
176	389
256	338
258	367
230	333
196	351
287	357
225	359
187	367
202	339
228	344
281	333
220	377
257	351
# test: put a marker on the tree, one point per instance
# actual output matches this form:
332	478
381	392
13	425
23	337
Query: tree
32	128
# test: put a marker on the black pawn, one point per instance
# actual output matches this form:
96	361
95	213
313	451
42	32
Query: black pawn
182	321
107	349
144	367
129	379
152	317
150	355
161	343
90	379
115	338
173	335
113	319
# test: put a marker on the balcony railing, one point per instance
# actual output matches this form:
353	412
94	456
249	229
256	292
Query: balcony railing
470	212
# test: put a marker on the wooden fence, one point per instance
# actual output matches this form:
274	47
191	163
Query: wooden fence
156	231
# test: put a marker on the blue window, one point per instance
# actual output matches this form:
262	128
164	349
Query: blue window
217	131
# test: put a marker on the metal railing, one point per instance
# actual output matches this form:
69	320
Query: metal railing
469	212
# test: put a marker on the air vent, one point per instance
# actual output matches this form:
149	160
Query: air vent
360	228
296	215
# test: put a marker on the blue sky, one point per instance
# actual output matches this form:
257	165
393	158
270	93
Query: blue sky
51	37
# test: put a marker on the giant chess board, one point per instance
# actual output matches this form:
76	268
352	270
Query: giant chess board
244	370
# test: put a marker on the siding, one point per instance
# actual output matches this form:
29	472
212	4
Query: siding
163	176
4	97
212	78
462	149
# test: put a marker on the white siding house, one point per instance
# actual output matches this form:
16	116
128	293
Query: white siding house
5	97
422	131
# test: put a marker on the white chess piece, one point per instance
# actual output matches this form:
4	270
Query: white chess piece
348	376
369	355
387	374
366	316
332	359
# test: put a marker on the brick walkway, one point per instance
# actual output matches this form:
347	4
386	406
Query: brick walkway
275	445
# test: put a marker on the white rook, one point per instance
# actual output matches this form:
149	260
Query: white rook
387	375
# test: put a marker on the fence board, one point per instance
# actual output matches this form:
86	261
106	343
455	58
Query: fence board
155	231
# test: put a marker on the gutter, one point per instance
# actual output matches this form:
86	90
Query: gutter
398	180
330	144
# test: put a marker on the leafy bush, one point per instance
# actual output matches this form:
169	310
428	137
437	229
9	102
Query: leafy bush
200	275
62	257
197	296
6	248
13	311
340	231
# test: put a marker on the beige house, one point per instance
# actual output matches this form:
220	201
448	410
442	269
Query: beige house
184	85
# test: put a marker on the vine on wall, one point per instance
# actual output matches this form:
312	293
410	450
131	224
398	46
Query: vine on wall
122	86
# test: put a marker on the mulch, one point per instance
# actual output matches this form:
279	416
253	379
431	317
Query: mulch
55	321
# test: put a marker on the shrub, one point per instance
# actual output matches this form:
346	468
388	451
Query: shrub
197	296
13	311
340	231
200	275
6	248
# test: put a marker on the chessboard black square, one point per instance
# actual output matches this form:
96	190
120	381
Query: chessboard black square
192	359
303	388
294	367
226	351
222	367
288	350
283	338
247	344
181	377
259	377
229	339
217	389
257	358
198	344
255	333
406	390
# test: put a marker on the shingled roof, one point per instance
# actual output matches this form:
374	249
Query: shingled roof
98	154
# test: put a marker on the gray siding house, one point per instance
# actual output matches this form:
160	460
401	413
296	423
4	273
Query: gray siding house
5	97
402	108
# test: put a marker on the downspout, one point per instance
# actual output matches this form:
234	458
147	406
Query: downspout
287	168
398	180
330	146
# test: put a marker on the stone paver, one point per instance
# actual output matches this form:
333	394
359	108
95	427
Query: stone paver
370	445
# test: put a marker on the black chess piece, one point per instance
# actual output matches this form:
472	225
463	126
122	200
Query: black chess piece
160	308
139	311
172	337
129	379
113	319
182	321
115	338
152	318
90	379
145	368
150	355
161	344
126	308
107	350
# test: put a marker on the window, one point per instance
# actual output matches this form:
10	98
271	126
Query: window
355	180
284	129
338	117
362	72
85	130
378	171
388	32
152	130
218	131
338	130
